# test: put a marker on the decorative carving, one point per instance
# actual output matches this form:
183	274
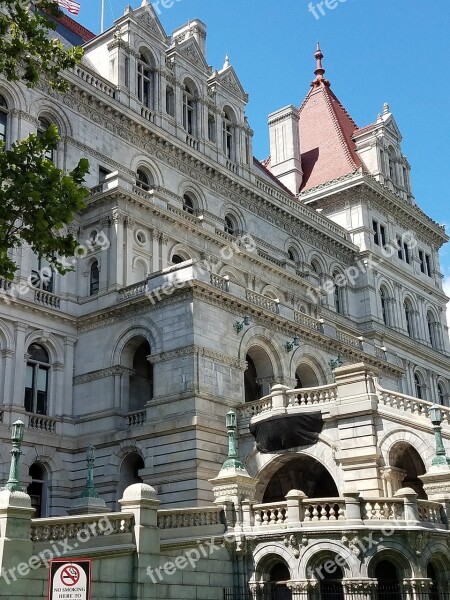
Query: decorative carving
295	542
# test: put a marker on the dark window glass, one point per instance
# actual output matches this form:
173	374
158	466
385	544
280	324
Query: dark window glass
94	282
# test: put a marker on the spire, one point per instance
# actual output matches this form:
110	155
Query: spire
226	64
320	71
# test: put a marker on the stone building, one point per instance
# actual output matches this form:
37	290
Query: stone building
303	292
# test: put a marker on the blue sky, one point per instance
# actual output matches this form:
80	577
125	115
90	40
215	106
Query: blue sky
375	51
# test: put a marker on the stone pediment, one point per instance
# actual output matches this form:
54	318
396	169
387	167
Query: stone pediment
228	78
146	16
392	127
191	51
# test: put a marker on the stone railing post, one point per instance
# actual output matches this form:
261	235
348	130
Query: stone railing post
360	588
295	510
411	508
247	514
16	548
279	398
140	499
301	589
417	588
352	507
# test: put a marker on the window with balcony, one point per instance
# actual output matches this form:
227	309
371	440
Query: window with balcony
144	82
37	380
231	226
143	180
419	386
228	135
189	107
212	135
338	294
189	204
442	394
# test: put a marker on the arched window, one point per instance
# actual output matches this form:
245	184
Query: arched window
143	180
433	328
407	307
94	279
177	259
292	254
3	119
419	386
315	267
44	124
227	135
231	225
36	383
392	167
144	82
141	382
338	294
384	300
188	110
251	384
188	204
129	472
37	490
442	396
170	101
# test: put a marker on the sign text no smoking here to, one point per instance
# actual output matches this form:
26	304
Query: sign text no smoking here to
69	580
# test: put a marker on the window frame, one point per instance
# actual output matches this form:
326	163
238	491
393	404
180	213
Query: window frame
4	120
94	283
144	82
189	111
32	403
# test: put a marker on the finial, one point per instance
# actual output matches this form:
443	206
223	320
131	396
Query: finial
226	64
13	484
320	71
89	489
386	109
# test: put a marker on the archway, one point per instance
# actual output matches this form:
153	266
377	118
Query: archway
276	588
258	376
410	465
306	377
129	471
301	473
37	490
331	576
387	576
141	381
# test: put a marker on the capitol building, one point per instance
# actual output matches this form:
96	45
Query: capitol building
257	350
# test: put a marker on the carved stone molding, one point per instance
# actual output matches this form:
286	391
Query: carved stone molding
101	374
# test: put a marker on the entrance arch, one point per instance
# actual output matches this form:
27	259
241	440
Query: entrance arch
303	473
409	464
259	374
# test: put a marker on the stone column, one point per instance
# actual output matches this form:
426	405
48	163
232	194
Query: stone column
417	588
359	588
410	500
8	375
301	588
19	373
295	507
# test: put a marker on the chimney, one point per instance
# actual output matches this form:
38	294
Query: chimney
285	158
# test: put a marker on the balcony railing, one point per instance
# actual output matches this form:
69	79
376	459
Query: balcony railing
262	301
42	423
137	418
47	298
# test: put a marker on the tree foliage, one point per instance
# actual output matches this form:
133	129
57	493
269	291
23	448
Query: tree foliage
37	200
27	50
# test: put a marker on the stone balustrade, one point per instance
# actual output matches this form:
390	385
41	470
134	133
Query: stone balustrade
300	511
94	80
137	418
133	291
47	298
221	283
348	339
262	301
42	423
189	517
80	527
307	321
311	396
408	404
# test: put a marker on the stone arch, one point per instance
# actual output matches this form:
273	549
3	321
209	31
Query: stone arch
266	555
264	466
186	253
304	355
141	329
49	342
293	243
271	292
6	336
141	161
436	554
43	108
53	463
264	363
140	268
191	82
14	96
233	274
315	258
395	552
194	190
119	454
319	551
425	447
235	212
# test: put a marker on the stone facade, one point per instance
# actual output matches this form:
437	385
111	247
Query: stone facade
210	281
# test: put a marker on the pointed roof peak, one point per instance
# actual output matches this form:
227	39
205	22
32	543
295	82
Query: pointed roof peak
320	71
226	64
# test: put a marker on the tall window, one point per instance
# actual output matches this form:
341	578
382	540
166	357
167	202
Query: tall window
211	127
230	225
44	124
338	293
392	168
188	110
143	180
94	279
432	330
227	136
425	263
188	204
42	275
170	101
37	489
408	317
441	394
36	384
3	119
384	305
144	81
141	382
420	386
379	233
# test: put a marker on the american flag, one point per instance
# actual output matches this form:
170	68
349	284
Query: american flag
70	5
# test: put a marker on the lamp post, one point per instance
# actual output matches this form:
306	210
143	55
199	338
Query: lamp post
13	484
289	346
440	459
232	460
89	490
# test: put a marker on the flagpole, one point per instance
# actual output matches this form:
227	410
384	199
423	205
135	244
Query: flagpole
102	26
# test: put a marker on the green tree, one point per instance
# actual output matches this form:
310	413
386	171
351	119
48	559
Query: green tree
37	200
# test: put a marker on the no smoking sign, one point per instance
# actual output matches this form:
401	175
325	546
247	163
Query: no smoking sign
69	580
